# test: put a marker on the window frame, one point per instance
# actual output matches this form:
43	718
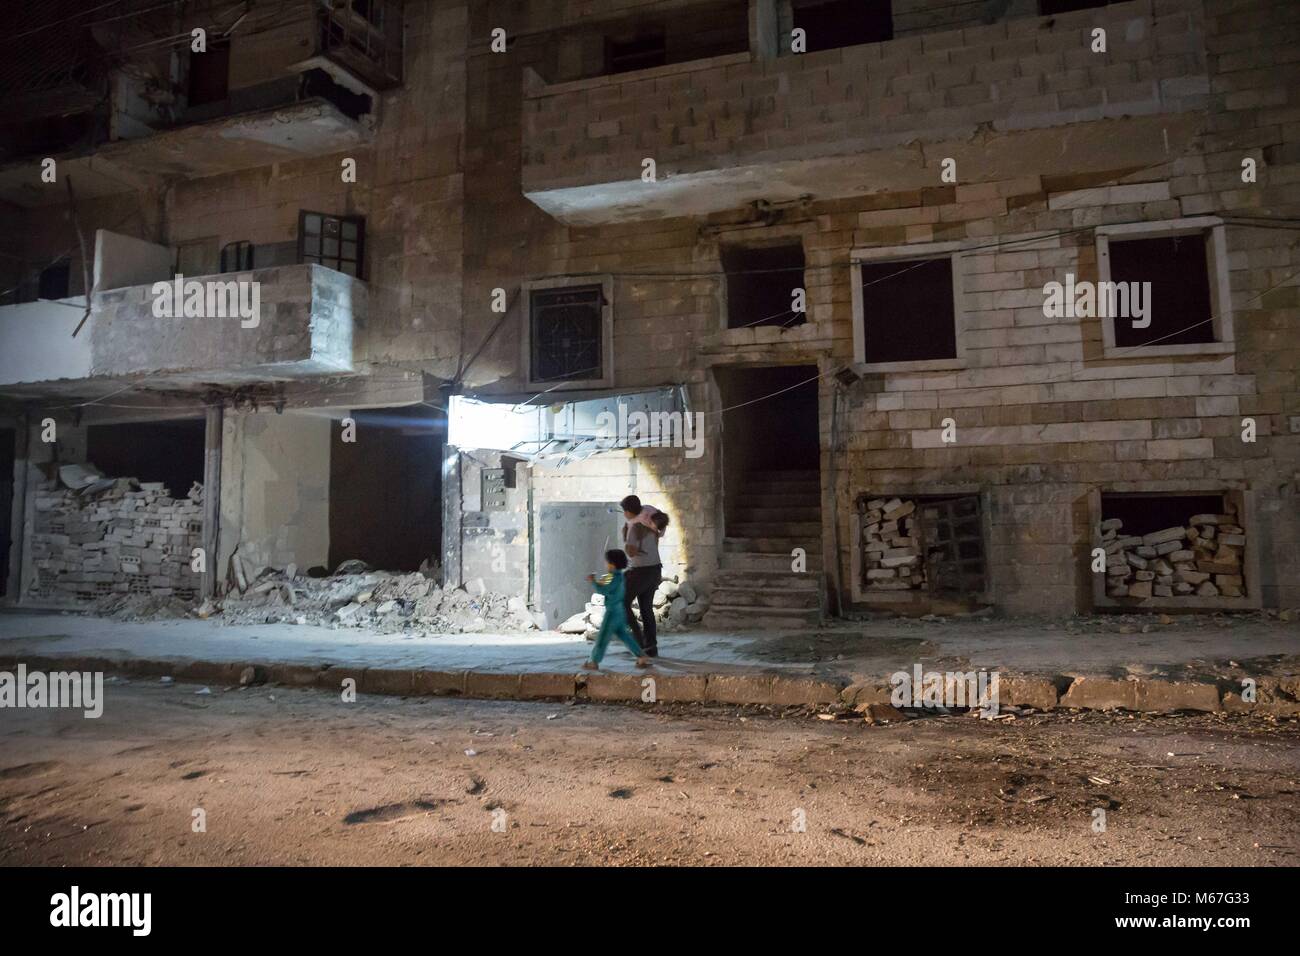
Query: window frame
1213	230
360	222
606	284
951	250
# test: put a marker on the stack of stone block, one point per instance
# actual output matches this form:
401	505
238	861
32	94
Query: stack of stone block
891	552
1202	558
131	539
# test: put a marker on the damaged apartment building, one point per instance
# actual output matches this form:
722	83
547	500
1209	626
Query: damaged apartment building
829	282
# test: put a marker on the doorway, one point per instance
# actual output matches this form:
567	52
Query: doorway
771	449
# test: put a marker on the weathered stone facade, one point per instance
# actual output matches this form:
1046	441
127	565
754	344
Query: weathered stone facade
483	176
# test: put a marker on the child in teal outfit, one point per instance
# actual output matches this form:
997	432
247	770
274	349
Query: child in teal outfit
614	623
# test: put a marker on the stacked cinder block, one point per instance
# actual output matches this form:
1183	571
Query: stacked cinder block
890	548
1203	558
131	539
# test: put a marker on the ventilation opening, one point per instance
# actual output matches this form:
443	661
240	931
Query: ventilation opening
765	286
385	498
1173	547
830	24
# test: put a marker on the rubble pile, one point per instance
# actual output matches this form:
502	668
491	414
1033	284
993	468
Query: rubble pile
1203	558
383	601
104	543
678	604
891	551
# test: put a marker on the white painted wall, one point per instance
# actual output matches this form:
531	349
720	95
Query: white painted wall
36	343
122	261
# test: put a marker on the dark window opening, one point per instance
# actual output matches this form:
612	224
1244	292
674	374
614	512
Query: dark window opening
830	24
210	74
237	256
334	241
385	500
640	52
764	285
1146	514
318	83
566	334
370	10
167	451
1049	7
55	280
929	543
907	310
1179	302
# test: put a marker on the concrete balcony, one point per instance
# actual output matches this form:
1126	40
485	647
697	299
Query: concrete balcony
730	130
304	325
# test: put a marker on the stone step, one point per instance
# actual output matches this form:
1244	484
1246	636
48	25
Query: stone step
757	597
811	545
722	616
790	474
778	502
779	577
776	529
769	487
757	561
750	514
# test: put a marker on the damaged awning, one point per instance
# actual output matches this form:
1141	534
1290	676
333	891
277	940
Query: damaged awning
576	426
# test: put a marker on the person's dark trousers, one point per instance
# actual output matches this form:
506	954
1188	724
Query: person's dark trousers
640	588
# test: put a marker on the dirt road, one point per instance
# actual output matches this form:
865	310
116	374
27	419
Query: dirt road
299	777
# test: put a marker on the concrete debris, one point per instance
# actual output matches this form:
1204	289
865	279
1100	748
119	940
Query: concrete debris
1204	558
105	544
383	601
891	548
678	604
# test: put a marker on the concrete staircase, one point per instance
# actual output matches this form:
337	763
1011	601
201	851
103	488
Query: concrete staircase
776	512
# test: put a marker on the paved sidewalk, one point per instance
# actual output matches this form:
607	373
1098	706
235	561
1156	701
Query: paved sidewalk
1208	655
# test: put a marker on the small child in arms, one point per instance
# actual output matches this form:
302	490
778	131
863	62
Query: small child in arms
614	623
652	518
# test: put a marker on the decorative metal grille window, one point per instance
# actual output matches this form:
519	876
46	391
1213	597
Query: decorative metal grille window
566	334
952	537
334	241
237	256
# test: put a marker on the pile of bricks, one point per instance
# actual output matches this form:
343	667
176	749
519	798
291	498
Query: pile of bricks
1203	558
891	552
132	539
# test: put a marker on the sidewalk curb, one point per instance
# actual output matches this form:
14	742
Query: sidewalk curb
1275	696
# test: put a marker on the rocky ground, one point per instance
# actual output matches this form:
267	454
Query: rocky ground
299	777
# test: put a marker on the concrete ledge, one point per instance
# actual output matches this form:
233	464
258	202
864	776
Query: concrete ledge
804	691
738	688
1036	692
1168	696
1042	693
679	688
440	683
547	686
1096	693
383	680
613	686
491	686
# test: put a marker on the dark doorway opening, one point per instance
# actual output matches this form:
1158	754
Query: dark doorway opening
166	451
7	438
386	488
770	429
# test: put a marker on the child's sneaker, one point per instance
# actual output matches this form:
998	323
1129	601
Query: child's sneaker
643	661
590	666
